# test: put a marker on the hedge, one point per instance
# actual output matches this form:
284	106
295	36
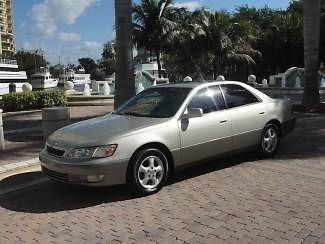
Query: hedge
32	100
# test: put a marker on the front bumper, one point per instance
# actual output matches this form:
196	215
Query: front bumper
288	126
108	171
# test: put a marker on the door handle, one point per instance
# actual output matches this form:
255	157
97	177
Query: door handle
223	121
262	112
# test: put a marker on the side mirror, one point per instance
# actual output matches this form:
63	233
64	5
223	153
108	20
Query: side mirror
192	113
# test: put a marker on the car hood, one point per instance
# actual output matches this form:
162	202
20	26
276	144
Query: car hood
99	131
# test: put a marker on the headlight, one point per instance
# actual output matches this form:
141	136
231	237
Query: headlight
92	152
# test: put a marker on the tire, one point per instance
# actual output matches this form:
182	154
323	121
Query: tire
270	141
148	171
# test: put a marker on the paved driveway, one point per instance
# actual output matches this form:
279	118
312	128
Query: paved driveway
241	199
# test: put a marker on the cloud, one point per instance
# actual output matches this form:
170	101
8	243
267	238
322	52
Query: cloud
90	45
69	37
50	13
190	5
29	46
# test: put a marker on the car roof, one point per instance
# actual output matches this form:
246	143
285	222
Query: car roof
194	84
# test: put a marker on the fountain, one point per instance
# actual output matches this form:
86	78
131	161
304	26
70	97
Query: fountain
86	91
264	83
140	87
107	89
322	82
298	82
68	85
321	73
283	82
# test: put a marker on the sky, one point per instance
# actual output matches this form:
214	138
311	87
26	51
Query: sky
69	29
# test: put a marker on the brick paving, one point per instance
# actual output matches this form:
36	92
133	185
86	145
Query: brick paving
240	199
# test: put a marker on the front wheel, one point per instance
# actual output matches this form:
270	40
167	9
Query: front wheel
270	140
148	171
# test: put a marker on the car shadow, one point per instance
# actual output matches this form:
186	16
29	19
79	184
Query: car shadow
49	196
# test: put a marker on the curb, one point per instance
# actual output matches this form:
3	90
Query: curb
17	113
11	167
20	183
80	104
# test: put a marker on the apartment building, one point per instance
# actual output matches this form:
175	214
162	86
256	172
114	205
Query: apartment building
7	44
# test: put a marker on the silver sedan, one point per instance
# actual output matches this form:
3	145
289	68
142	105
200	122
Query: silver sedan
164	129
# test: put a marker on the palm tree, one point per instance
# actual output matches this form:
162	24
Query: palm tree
222	39
311	47
124	84
154	25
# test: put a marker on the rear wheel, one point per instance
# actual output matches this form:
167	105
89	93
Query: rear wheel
148	171
270	140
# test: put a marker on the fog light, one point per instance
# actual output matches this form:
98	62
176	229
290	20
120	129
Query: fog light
95	178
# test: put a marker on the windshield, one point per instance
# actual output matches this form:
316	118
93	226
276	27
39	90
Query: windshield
159	102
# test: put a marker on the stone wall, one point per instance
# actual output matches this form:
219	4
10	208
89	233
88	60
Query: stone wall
295	94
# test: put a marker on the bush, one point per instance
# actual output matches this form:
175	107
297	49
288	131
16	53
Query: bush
32	100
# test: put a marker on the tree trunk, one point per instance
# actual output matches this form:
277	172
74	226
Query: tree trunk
311	51
124	77
158	62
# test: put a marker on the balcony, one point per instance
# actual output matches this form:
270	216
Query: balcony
7	41
8	48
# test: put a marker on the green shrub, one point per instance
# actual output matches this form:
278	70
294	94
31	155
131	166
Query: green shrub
32	100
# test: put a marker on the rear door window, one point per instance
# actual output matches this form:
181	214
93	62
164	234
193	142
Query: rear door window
237	95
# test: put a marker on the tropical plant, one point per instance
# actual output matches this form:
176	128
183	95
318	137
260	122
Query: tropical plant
124	83
56	70
226	42
155	23
30	61
108	60
206	43
89	65
32	100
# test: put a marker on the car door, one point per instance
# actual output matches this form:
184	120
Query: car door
209	135
247	115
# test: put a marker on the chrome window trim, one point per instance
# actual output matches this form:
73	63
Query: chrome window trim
260	100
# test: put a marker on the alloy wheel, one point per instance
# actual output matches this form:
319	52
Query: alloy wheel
150	172
270	140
